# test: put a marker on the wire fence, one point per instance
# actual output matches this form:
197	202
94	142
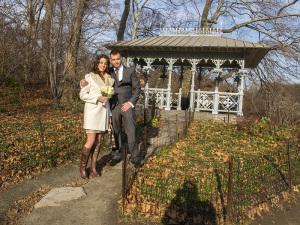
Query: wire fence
189	190
261	179
203	192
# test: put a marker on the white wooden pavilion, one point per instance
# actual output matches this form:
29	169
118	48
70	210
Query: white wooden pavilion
196	48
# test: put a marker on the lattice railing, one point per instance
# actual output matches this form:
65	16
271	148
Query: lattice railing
162	98
228	102
157	96
215	101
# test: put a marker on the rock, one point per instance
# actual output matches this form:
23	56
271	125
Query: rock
58	195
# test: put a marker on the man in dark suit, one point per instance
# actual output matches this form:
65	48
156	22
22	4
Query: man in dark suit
127	90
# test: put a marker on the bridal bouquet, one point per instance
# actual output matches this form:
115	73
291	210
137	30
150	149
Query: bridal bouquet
107	91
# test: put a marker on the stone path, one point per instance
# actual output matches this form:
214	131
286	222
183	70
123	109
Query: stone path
287	214
99	207
53	178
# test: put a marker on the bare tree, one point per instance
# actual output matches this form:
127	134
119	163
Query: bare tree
137	7
53	45
71	55
123	21
275	22
33	13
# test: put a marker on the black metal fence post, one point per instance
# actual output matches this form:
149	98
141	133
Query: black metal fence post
145	138
228	218
228	119
177	133
124	178
289	165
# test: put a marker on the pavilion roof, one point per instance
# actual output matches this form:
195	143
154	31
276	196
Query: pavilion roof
200	46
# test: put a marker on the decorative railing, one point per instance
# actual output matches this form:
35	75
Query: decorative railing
162	98
157	96
213	101
216	102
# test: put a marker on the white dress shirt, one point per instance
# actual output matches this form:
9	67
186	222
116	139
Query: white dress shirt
120	77
120	72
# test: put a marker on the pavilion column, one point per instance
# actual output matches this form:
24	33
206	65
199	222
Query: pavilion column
146	69
217	71
192	91
128	61
242	74
169	94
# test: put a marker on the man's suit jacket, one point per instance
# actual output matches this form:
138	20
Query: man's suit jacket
128	89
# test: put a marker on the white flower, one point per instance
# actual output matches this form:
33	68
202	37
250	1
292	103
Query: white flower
107	91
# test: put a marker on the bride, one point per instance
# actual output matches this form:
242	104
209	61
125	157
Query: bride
96	89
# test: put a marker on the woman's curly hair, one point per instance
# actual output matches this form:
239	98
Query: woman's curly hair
96	63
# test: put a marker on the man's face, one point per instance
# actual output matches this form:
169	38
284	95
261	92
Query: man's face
116	60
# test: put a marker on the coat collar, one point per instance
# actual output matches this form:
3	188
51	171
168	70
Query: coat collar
98	80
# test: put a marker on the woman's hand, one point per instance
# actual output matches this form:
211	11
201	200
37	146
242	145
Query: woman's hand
83	83
102	99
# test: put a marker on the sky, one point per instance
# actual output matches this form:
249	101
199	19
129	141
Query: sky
188	14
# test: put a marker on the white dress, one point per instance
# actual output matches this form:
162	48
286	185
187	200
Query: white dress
96	114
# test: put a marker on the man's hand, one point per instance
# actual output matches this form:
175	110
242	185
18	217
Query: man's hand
125	106
83	83
102	99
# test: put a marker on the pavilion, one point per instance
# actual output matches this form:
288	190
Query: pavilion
198	49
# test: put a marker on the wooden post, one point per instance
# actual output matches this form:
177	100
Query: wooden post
192	91
241	91
216	101
170	69
179	99
146	91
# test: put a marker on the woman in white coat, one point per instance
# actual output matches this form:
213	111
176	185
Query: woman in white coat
96	112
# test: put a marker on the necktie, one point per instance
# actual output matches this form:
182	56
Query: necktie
117	73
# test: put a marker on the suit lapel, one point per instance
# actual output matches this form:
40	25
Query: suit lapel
123	78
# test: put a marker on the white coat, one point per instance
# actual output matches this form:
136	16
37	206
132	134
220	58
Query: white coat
96	114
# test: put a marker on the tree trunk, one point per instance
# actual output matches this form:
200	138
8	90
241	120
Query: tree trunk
50	51
71	55
136	18
28	65
204	19
46	35
122	26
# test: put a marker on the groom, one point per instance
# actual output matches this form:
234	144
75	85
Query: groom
127	90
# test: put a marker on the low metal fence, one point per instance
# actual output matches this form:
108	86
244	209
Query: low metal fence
208	192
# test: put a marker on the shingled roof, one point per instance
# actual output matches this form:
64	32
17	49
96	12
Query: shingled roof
203	46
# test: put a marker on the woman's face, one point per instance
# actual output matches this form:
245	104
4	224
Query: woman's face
102	65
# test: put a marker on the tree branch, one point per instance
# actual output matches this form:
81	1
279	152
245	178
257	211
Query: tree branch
286	6
217	13
238	26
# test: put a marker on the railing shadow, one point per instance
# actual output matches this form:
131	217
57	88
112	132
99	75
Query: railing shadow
276	167
102	162
187	208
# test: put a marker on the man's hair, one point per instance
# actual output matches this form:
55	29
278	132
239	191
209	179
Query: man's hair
115	52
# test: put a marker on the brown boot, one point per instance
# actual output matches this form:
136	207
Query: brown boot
94	158
83	161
